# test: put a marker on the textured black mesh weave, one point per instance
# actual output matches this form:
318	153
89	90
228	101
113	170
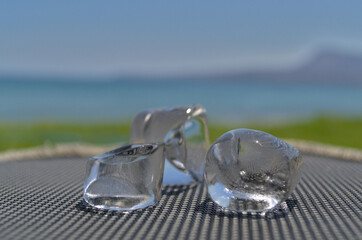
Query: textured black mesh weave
42	199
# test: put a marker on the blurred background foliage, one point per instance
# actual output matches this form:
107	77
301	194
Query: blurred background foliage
330	130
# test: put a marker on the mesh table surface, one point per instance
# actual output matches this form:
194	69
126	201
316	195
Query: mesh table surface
42	199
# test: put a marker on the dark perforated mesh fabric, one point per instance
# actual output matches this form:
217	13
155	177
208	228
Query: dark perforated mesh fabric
42	199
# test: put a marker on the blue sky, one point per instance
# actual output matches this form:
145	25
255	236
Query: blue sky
170	37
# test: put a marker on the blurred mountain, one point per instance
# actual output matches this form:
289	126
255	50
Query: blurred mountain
325	66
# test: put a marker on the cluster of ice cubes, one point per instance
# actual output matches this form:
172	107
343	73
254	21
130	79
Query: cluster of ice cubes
244	170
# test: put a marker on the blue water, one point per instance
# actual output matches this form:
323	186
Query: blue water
224	101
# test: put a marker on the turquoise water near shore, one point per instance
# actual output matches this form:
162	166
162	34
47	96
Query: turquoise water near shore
225	101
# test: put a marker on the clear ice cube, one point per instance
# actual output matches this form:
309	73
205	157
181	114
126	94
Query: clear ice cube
251	171
127	178
184	131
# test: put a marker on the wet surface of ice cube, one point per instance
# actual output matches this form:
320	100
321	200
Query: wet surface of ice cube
184	131
251	171
127	178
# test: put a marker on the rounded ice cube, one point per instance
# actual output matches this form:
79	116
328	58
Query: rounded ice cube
251	171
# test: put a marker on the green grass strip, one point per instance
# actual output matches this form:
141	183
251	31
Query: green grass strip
337	131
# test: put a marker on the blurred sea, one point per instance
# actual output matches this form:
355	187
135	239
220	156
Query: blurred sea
225	101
